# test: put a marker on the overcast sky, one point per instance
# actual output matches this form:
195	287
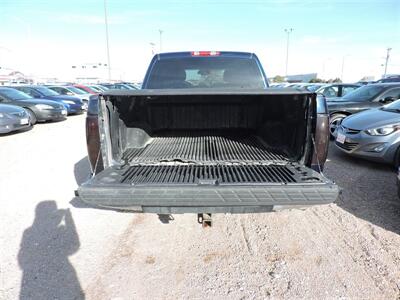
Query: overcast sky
46	37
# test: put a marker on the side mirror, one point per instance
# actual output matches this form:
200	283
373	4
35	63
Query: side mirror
70	93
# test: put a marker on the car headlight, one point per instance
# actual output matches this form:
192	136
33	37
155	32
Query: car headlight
386	130
43	106
68	102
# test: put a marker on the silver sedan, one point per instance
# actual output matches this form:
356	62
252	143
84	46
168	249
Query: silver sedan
13	118
373	134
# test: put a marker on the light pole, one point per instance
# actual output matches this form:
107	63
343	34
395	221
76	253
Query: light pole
387	60
107	42
288	32
161	32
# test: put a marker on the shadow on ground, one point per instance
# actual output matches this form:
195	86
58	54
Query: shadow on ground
44	252
369	189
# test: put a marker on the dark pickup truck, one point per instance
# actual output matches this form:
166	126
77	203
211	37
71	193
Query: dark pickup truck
206	135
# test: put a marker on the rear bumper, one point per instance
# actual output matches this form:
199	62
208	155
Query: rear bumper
223	199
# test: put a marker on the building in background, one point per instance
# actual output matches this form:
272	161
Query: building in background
9	76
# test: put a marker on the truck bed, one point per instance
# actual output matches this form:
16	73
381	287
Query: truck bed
205	148
207	151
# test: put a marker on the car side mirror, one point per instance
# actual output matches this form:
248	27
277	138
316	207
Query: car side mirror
69	93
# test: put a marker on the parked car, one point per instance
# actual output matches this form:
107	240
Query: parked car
337	89
119	86
40	110
312	87
13	118
373	134
394	78
86	89
366	97
219	142
71	91
73	105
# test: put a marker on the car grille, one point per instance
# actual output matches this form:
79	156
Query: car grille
347	146
349	130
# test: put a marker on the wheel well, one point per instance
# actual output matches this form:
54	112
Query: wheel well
340	112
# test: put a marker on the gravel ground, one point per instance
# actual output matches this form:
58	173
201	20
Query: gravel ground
53	246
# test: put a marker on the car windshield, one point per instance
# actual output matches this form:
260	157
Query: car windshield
75	90
394	106
14	94
364	93
46	91
206	72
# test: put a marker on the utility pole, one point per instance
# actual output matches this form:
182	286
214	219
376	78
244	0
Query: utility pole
387	60
161	32
288	32
107	42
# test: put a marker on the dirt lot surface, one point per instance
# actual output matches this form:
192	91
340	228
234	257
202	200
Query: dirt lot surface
55	247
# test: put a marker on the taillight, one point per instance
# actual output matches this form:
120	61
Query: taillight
205	53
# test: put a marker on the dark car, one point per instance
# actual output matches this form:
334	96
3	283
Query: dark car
40	110
13	118
363	98
73	105
394	78
337	89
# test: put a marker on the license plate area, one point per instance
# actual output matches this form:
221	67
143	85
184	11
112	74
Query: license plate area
341	138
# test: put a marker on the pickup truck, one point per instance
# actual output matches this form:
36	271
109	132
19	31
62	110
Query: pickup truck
206	135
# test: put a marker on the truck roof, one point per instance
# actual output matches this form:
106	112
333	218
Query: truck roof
237	54
207	91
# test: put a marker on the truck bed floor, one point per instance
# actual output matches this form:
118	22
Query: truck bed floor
204	149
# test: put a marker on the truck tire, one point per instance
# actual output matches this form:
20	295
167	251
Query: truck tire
334	122
32	115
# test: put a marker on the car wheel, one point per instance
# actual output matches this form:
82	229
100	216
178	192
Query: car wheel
334	123
32	115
